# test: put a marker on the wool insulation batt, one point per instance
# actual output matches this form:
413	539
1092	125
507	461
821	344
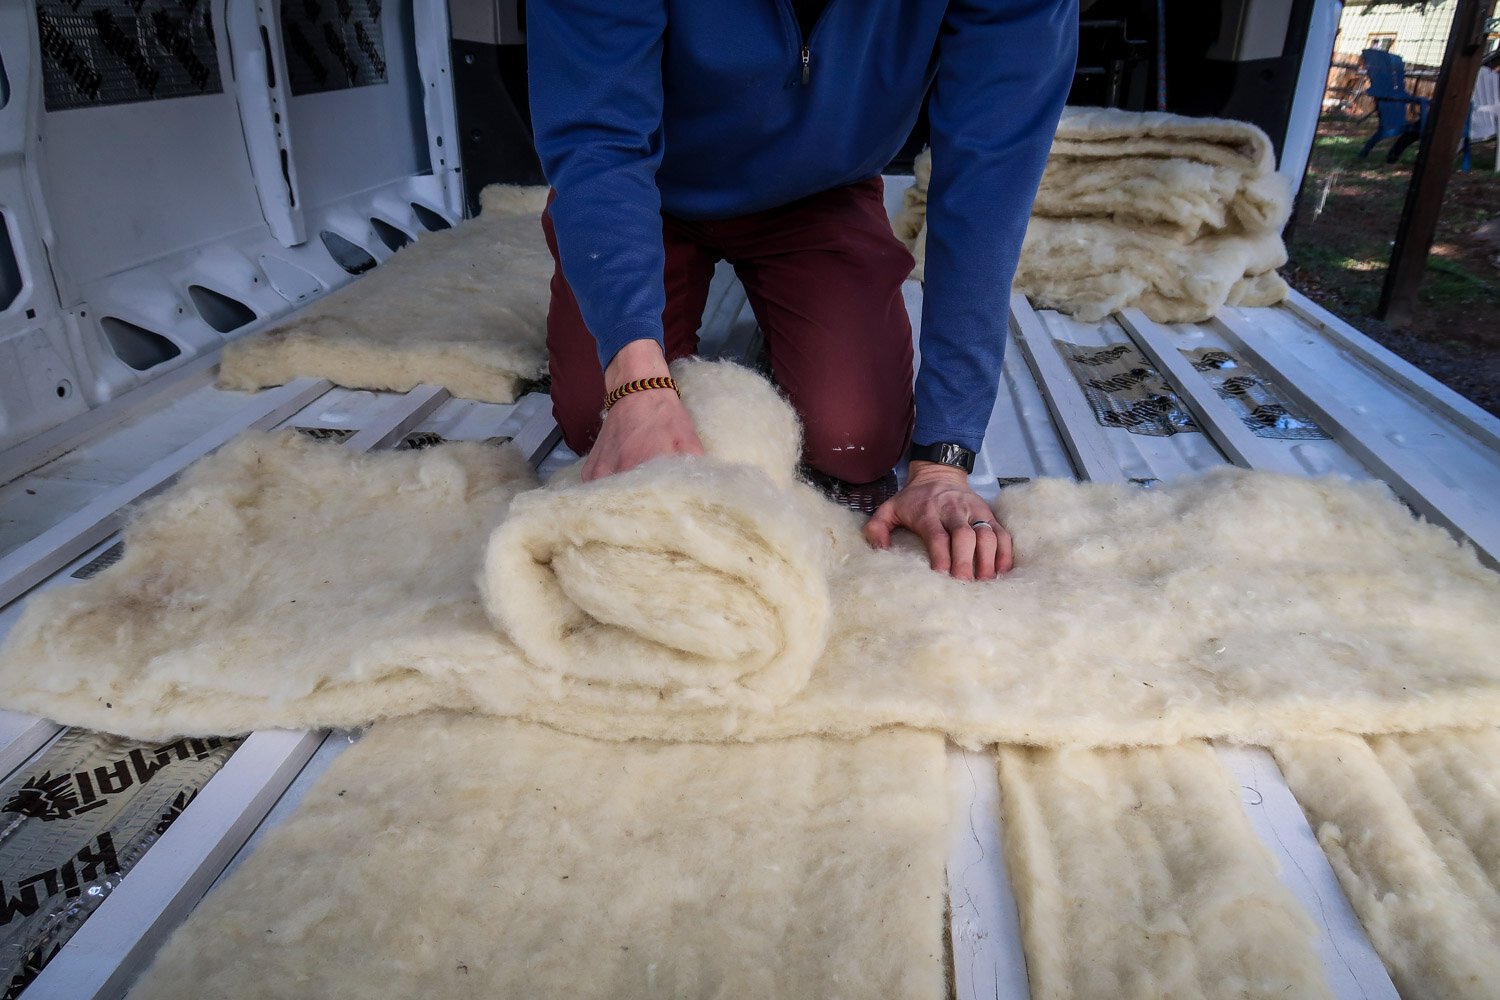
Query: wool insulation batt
1409	823
277	584
695	583
456	857
464	308
284	586
1090	268
1113	134
1179	197
1175	216
1138	876
726	602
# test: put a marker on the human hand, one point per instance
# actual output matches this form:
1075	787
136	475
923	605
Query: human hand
938	505
642	425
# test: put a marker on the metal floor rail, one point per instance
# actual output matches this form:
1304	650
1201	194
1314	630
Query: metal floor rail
1439	452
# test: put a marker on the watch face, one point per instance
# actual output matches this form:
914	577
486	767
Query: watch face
959	457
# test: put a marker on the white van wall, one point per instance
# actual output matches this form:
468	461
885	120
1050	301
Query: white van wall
149	231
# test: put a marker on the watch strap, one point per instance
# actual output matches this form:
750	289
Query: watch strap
943	453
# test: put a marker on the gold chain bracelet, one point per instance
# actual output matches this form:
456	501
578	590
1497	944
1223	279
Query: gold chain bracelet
640	385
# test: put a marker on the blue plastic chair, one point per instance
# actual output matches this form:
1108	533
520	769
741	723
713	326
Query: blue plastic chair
1387	75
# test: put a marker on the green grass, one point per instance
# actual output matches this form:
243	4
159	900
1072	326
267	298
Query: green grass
1347	248
1449	283
1328	258
1339	147
1344	150
1340	273
1357	272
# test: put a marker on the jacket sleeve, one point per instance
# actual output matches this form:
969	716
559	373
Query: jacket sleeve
1004	70
595	70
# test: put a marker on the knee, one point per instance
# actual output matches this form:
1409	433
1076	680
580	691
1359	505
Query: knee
857	445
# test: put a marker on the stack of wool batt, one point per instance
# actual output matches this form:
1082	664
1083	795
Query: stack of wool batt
1175	216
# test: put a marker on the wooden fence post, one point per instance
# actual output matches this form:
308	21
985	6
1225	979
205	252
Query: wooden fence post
1429	178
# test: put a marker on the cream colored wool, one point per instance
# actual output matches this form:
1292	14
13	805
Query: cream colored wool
1175	216
448	857
1255	290
1239	605
918	248
910	224
513	199
280	583
1190	196
1196	175
1410	824
1137	875
464	308
1112	134
1185	198
724	602
1092	268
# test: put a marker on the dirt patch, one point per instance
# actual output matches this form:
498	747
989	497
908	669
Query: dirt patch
1341	242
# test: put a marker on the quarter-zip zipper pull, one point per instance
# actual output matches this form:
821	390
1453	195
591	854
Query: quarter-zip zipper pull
806	69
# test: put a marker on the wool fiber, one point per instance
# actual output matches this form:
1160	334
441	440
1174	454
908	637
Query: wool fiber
452	857
724	602
288	584
278	584
1112	134
1175	216
1090	268
464	308
1409	823
1137	875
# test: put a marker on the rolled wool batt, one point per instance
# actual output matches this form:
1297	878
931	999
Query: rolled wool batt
689	578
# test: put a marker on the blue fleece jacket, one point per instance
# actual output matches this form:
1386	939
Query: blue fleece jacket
710	109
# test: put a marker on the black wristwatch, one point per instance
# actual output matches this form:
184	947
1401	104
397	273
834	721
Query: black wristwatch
944	453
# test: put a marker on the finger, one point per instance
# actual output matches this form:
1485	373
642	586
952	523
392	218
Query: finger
985	552
880	525
939	550
962	542
1005	556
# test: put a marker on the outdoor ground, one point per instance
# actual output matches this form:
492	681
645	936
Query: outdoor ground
1340	244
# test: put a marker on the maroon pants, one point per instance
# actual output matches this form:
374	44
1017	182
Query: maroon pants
823	276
